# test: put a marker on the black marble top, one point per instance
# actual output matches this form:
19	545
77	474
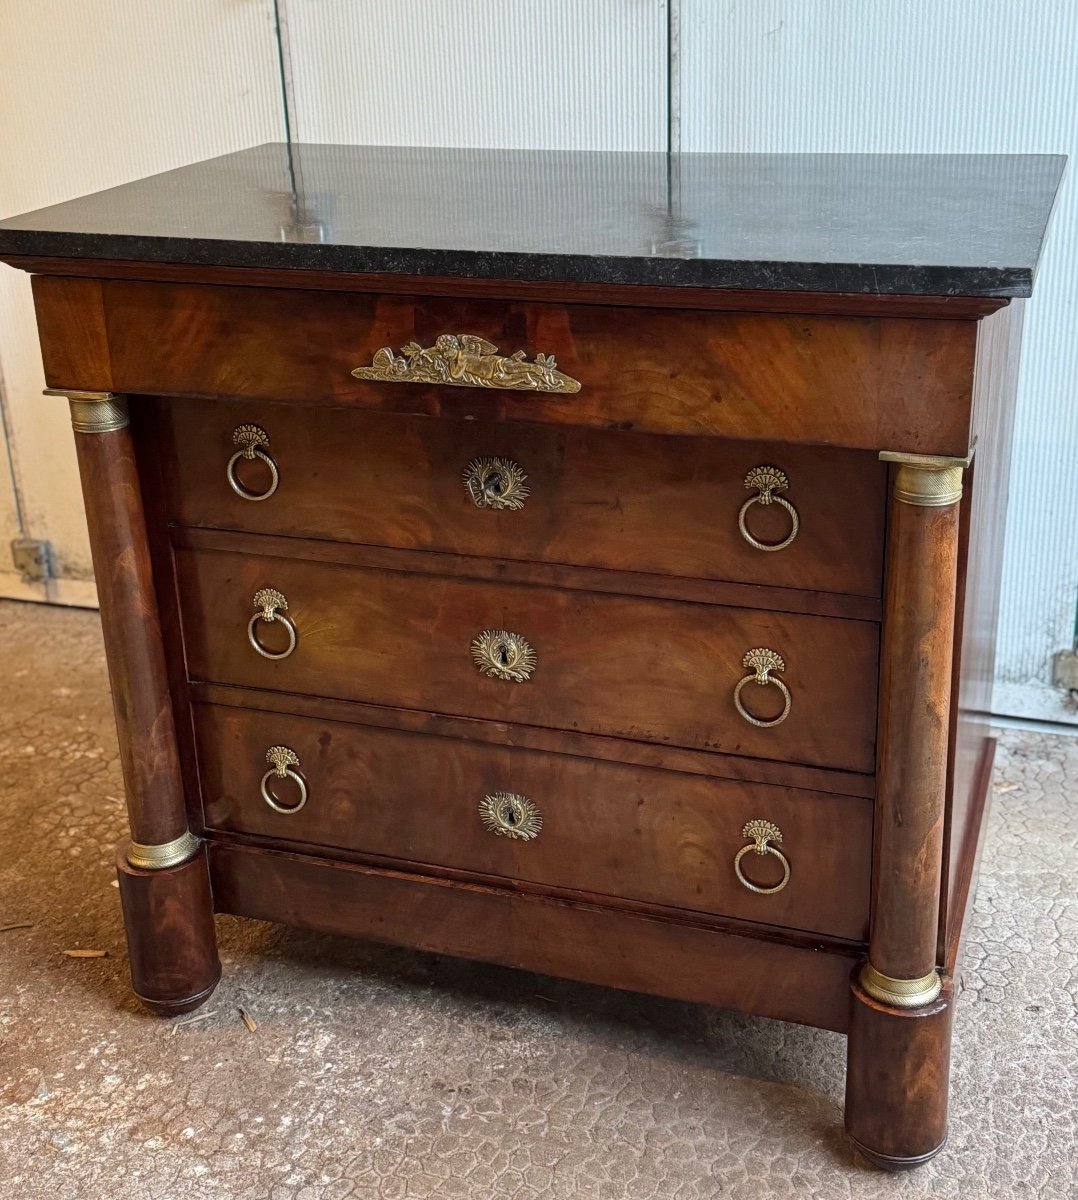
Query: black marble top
887	223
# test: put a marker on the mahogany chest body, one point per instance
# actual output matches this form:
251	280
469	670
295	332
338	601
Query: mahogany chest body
623	623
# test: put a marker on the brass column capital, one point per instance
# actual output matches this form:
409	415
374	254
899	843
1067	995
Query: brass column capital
927	480
95	412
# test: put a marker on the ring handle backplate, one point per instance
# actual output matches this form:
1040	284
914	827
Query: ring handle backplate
766	482
762	662
253	441
283	762
271	606
764	836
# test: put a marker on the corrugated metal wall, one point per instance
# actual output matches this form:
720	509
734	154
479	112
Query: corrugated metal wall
963	76
535	74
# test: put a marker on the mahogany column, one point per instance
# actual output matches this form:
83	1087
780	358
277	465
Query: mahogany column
163	873
899	1038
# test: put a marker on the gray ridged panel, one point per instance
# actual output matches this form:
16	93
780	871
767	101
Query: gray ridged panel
969	76
531	74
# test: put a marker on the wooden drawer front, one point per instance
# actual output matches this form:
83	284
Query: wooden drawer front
631	502
652	670
617	831
866	383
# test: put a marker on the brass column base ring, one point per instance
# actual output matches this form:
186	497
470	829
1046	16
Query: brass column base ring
159	856
900	993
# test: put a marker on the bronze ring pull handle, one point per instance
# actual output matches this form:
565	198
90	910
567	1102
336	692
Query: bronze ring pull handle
271	605
496	483
766	481
282	763
763	834
253	441
762	662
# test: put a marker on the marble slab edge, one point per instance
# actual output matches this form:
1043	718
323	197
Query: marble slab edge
734	275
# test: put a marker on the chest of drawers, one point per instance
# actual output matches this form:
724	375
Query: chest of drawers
602	613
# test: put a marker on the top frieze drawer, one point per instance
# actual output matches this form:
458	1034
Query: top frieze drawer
867	383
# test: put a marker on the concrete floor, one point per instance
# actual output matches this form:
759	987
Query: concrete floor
376	1072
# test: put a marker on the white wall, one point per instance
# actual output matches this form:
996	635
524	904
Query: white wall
937	76
93	94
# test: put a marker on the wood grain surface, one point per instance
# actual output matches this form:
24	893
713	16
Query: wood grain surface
71	330
617	830
531	737
984	512
915	721
620	501
859	382
769	977
650	670
559	575
171	942
130	623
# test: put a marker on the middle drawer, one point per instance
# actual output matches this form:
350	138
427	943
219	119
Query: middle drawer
789	687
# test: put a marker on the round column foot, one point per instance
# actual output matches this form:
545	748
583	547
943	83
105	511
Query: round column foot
888	1162
897	1078
171	941
176	1008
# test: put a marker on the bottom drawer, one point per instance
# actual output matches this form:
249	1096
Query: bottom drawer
615	830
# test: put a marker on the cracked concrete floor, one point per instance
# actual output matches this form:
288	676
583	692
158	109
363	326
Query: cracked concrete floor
377	1072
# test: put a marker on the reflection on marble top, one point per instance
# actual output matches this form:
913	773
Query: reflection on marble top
887	223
